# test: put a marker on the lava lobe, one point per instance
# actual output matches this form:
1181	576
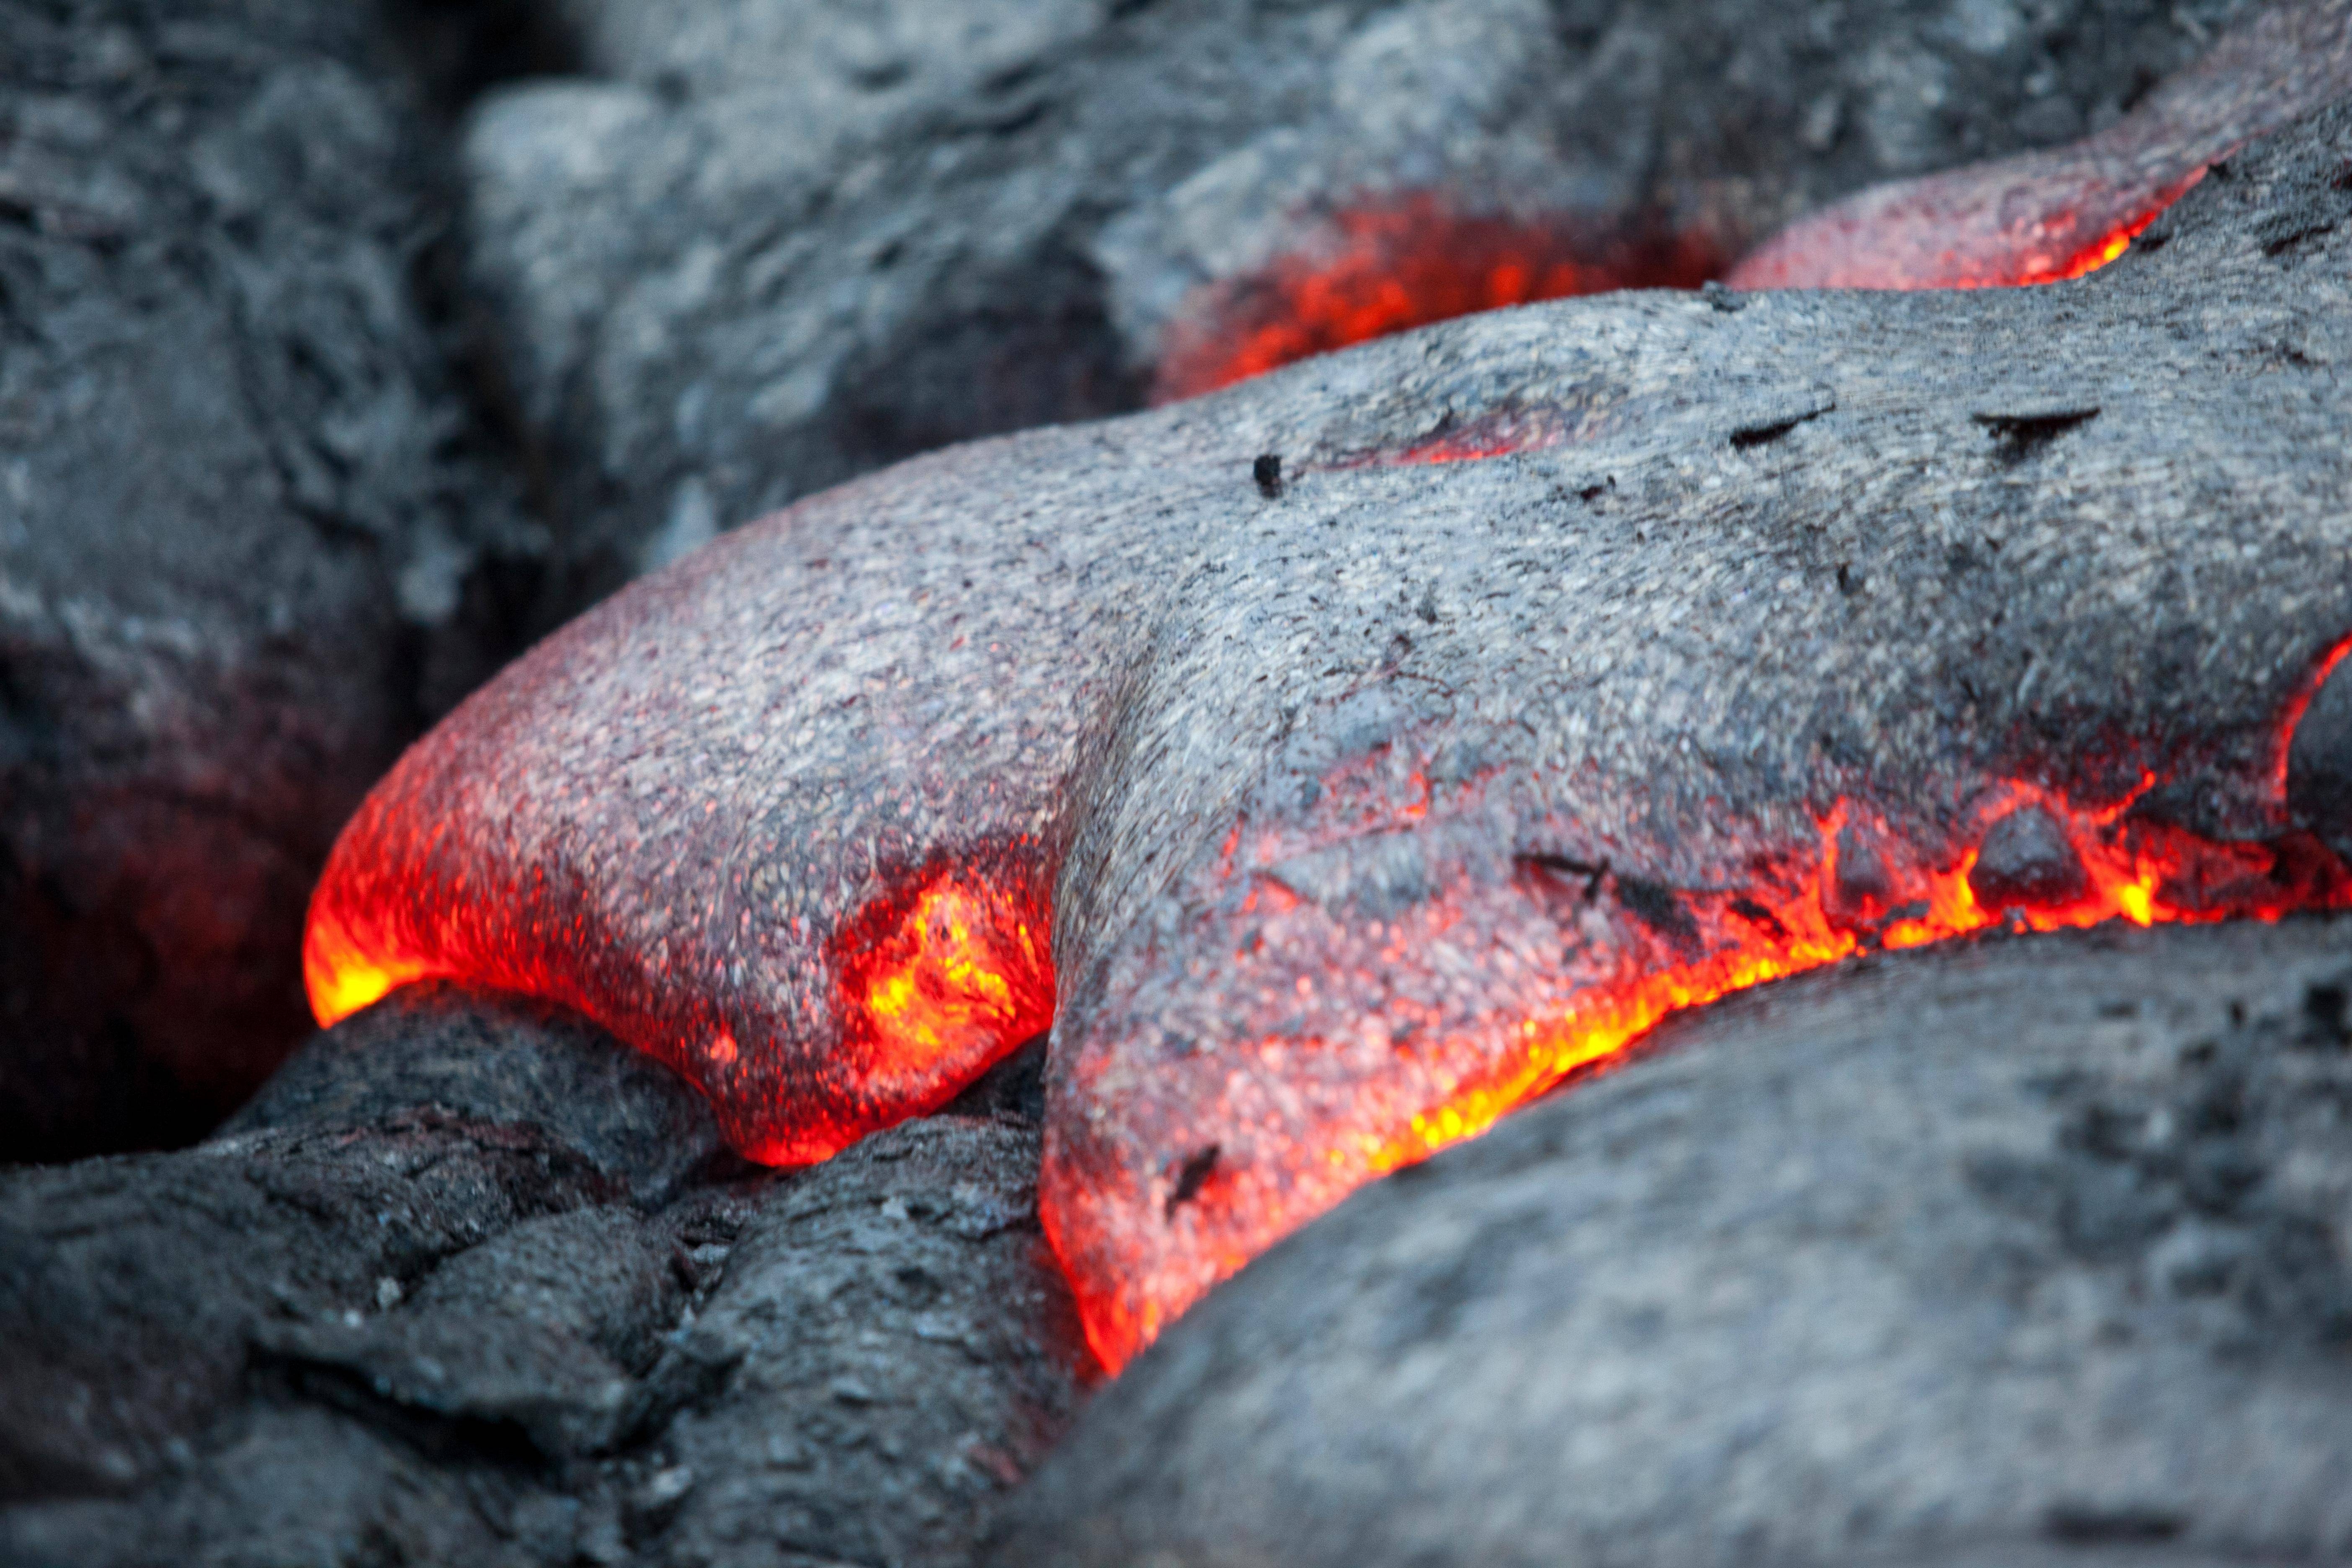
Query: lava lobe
1330	819
2043	217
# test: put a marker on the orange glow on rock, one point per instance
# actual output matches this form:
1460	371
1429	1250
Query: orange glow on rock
1392	267
1966	230
933	983
2045	218
2300	704
2030	859
957	972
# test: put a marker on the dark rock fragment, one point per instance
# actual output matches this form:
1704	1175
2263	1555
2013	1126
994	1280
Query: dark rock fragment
2319	763
1862	885
902	1347
466	1287
2027	862
1973	1254
539	1329
499	1058
129	1287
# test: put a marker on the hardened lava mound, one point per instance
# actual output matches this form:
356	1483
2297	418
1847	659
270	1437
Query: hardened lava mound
1332	803
2043	217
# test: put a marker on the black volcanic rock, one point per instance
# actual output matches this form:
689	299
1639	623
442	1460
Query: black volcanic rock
2025	861
470	1284
499	1058
1980	1255
774	243
901	1348
237	524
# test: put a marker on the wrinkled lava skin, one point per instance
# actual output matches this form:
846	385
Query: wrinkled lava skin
2045	217
1367	804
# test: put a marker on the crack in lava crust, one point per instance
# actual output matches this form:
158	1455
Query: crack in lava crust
2028	859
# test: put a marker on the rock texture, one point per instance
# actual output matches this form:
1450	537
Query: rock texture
238	518
473	1284
2039	217
1373	786
2007	1253
776	243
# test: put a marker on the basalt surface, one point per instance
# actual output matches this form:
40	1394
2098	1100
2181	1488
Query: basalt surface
1382	741
2044	216
766	245
239	508
2030	1252
474	1284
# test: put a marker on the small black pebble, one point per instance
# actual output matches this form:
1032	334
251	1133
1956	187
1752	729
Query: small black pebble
1267	472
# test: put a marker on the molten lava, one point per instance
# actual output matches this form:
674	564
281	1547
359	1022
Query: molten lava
690	816
1393	268
2033	861
1943	232
2143	873
934	984
963	971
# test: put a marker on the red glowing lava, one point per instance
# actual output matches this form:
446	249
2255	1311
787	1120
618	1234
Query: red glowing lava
1393	267
959	973
1966	230
933	985
1141	1249
2147	874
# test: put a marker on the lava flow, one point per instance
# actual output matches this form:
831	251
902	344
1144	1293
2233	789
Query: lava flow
2042	217
1390	268
961	971
2055	866
933	981
1143	1241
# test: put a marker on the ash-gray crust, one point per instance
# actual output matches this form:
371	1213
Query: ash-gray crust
2031	1251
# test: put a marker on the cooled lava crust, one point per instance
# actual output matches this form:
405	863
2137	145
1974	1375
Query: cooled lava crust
1329	802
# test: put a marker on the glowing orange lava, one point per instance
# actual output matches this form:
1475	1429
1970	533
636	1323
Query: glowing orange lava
2031	263
933	985
962	973
2146	874
1392	268
1955	231
2028	859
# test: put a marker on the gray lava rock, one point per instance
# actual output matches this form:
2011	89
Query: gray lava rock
132	1285
899	1348
1987	1254
780	242
499	1058
2026	861
237	516
470	1284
